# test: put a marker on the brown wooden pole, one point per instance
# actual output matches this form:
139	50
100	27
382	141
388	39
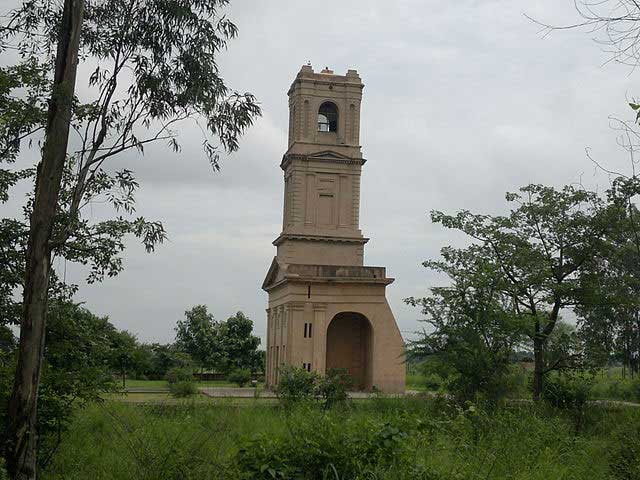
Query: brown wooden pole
21	452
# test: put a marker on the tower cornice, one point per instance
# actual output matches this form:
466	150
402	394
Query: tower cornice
319	238
325	156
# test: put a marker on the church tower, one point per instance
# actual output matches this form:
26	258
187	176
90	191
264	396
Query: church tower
327	310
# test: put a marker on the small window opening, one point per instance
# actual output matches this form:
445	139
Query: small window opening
309	291
308	367
306	325
328	118
310	330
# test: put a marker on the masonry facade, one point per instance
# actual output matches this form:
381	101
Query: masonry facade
326	309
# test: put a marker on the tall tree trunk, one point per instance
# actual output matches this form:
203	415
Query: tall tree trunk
21	452
538	367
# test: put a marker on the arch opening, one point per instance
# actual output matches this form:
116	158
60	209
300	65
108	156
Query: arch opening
328	117
349	347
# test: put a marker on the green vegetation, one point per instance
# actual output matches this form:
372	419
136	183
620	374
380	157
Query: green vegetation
240	377
220	346
379	438
181	382
297	386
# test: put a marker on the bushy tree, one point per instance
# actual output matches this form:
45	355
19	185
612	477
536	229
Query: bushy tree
222	346
166	357
76	370
199	336
239	345
542	250
122	355
472	325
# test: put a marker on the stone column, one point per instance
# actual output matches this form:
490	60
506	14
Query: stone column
286	314
319	337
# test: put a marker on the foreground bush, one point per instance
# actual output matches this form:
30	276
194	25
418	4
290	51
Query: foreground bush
326	450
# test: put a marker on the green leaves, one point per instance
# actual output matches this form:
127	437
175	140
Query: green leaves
155	68
221	346
520	272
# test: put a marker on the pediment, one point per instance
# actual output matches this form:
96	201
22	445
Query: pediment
272	274
328	154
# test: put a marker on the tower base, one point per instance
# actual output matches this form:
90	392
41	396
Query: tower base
325	316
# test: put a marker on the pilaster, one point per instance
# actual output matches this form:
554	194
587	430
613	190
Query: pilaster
320	337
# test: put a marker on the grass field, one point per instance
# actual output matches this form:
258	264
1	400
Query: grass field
162	384
373	439
416	382
606	384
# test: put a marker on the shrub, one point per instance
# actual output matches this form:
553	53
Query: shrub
178	374
569	391
624	454
183	388
333	387
433	381
317	450
296	384
517	382
240	377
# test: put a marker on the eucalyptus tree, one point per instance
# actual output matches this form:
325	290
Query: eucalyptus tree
541	251
153	68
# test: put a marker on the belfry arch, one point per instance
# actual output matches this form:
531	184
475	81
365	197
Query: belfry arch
350	347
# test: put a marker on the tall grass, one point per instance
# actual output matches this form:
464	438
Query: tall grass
375	439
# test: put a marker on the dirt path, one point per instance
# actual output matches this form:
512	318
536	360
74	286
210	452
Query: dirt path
230	392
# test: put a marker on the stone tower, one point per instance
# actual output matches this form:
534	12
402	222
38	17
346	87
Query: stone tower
327	310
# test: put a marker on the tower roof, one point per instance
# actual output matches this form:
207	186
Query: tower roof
326	76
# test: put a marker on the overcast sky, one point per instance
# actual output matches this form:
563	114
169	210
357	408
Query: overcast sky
463	101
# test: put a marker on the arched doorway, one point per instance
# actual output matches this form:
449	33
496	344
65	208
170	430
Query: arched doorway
349	347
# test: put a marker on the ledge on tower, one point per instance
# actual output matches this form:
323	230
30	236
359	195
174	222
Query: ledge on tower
294	272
